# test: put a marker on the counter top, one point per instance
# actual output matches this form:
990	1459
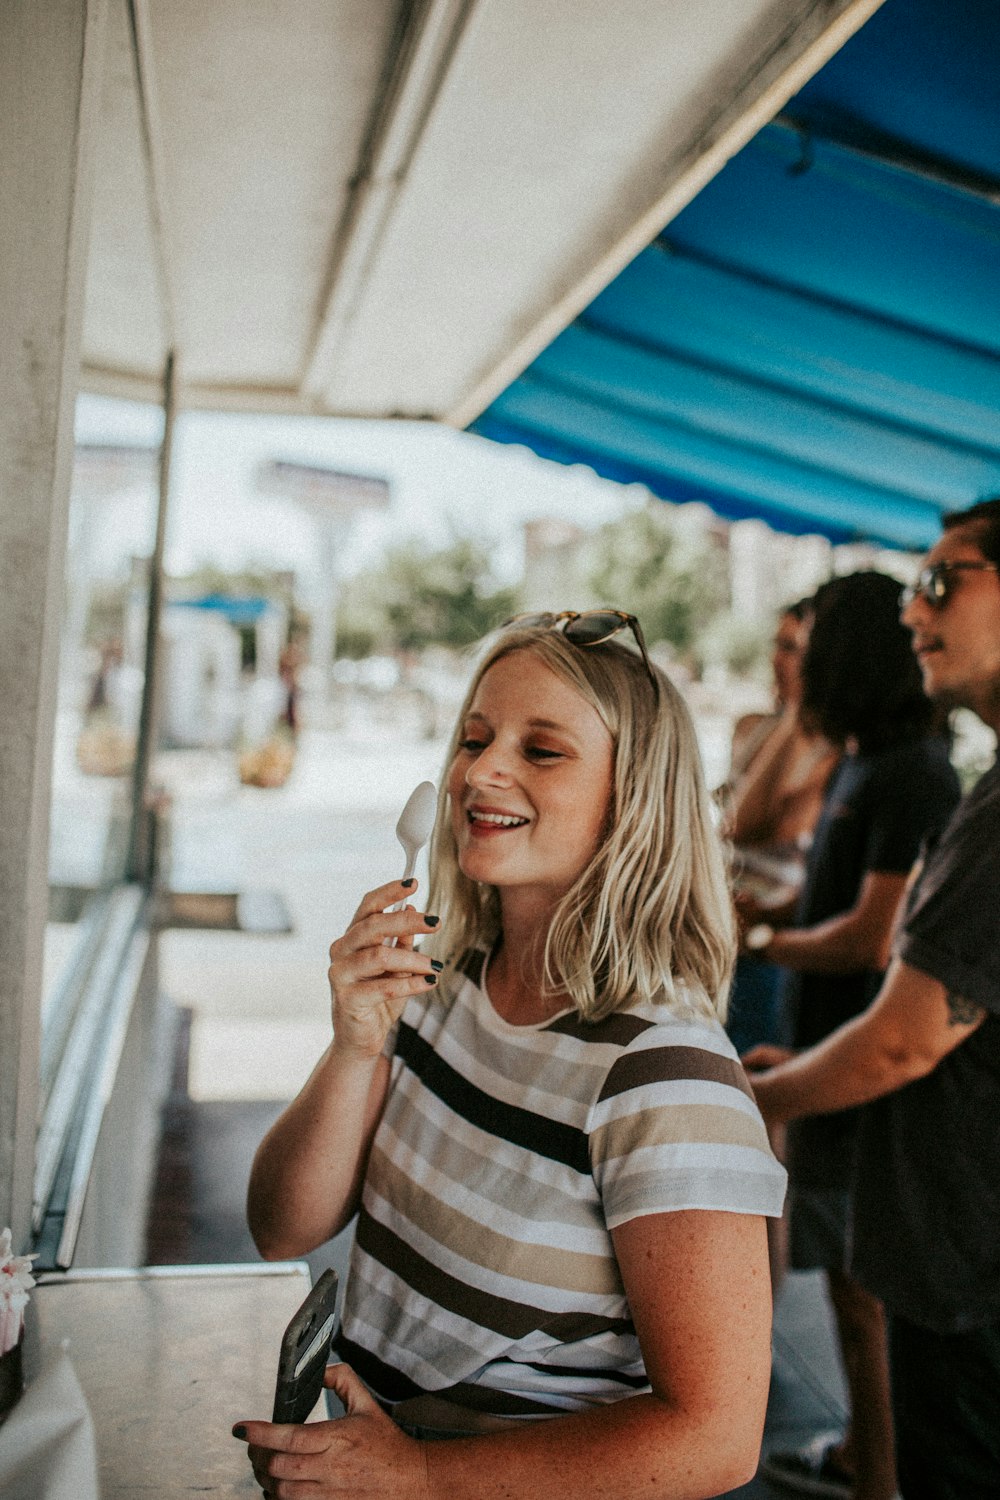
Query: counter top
169	1357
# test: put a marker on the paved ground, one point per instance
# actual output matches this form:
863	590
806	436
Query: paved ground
256	1008
260	1003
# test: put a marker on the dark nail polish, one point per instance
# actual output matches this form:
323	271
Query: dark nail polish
430	979
239	1431
408	883
431	921
437	964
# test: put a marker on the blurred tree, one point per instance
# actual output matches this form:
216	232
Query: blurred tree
421	597
739	647
674	578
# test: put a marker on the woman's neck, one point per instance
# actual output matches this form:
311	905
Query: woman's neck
516	971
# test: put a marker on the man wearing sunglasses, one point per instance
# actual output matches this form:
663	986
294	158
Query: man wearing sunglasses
925	1058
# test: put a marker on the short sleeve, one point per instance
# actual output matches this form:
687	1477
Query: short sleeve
952	928
676	1127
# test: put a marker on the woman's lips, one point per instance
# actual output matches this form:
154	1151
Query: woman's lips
489	822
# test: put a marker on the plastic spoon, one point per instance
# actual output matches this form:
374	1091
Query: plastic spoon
414	827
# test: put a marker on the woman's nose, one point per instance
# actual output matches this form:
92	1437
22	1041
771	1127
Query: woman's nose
490	767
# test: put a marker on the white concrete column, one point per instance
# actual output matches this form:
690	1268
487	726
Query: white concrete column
51	53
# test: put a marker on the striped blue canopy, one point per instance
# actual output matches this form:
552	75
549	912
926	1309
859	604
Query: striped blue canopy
815	339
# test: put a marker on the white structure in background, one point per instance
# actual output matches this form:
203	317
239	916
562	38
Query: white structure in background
101	473
201	678
768	569
335	500
552	571
207	699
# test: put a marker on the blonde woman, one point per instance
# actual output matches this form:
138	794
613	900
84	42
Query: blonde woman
560	1261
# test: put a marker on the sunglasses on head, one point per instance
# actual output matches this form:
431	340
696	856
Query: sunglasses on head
588	627
934	585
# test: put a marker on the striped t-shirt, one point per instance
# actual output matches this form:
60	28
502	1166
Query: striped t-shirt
483	1266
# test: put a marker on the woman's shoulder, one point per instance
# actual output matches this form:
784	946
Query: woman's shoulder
655	1043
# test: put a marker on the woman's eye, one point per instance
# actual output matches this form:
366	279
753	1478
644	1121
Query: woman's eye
472	746
542	752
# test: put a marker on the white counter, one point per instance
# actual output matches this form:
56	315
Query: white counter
169	1358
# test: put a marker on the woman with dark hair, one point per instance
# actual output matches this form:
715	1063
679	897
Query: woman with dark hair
862	689
860	678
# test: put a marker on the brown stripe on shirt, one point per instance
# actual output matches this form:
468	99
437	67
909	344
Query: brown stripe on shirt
673	1064
617	1030
512	1319
501	1403
496	1253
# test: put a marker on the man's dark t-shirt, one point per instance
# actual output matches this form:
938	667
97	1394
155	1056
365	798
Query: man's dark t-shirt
927	1200
877	811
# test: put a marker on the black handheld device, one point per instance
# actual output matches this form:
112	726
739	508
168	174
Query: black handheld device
304	1351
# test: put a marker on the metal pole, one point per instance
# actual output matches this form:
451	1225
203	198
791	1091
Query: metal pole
140	841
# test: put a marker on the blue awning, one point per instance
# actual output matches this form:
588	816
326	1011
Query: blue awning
245	610
815	339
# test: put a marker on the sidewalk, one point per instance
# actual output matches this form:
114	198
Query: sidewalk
260	1003
256	1012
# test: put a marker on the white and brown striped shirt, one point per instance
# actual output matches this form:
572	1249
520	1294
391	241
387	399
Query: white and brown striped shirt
483	1267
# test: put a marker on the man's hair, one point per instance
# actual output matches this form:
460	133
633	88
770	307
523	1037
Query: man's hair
984	519
860	677
651	917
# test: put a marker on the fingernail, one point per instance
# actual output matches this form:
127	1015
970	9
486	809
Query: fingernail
430	979
408	883
239	1431
437	964
431	921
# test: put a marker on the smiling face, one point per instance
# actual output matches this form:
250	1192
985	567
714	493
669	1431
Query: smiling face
530	784
958	645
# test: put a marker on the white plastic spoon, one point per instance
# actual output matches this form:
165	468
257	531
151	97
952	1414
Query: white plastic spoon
416	822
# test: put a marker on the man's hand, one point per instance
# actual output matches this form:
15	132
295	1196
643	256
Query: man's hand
766	1055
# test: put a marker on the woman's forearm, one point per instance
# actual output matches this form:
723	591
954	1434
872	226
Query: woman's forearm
753	809
306	1180
305	1184
850	942
633	1450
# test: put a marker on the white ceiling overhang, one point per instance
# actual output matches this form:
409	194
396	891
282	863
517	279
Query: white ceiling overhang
389	207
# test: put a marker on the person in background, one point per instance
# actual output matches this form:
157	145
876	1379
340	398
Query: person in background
772	801
560	1258
893	786
924	1058
290	665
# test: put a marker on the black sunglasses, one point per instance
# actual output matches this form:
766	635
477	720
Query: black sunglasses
934	586
589	627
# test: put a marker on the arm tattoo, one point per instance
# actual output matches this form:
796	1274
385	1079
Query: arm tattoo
962	1012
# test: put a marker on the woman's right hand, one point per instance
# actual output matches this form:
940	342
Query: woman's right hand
370	981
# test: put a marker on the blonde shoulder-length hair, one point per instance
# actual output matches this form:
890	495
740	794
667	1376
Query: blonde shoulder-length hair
651	916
